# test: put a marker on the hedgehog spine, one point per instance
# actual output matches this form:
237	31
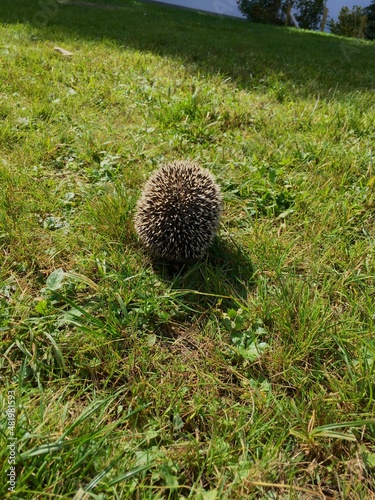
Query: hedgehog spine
178	212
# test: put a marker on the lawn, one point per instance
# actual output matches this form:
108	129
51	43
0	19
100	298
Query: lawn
248	374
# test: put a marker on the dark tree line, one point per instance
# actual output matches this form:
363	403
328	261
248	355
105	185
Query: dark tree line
309	14
358	22
370	23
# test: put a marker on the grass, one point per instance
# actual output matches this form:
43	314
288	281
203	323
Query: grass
249	374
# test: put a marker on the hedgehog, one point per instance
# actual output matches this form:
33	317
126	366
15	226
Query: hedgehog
178	212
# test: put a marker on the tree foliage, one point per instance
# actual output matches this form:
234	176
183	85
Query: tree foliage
349	23
370	24
307	12
262	11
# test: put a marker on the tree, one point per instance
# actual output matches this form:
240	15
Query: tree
261	11
370	25
309	13
349	23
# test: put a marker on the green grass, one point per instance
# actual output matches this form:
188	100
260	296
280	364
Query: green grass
249	374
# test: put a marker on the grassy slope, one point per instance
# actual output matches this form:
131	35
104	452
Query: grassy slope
121	366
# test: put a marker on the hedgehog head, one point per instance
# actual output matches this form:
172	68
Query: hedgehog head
178	212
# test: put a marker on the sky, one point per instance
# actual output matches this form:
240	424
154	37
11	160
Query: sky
229	7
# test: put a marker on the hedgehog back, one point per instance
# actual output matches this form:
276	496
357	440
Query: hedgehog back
178	212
